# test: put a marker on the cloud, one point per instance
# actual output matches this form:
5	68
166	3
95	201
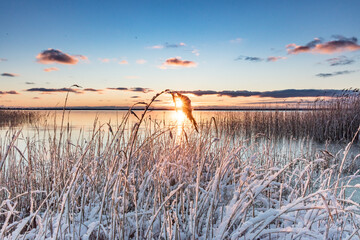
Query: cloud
176	45
157	47
236	40
168	45
3	59
177	62
287	93
56	56
135	97
36	98
12	92
104	60
123	62
253	59
340	44
29	83
274	59
9	75
52	90
82	57
51	69
93	90
141	61
195	52
140	89
339	61
136	89
119	88
325	75
258	59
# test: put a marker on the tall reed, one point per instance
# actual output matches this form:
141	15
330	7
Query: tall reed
160	185
335	119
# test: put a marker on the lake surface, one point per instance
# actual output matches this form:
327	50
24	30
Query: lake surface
82	122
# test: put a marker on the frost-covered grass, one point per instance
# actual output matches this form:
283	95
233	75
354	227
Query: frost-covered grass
17	117
154	183
333	119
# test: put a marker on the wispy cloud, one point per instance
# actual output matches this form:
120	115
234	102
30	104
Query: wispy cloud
248	58
51	69
123	62
274	59
340	44
12	92
141	61
177	62
287	93
119	89
36	98
56	56
104	60
236	40
3	59
325	75
29	83
135	89
258	59
100	91
53	90
196	52
9	75
339	61
168	45
82	57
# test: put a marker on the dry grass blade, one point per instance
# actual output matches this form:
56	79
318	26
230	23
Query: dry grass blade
187	109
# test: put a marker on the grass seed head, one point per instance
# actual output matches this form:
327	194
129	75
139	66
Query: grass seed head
187	109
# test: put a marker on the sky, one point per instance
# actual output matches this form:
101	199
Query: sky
219	53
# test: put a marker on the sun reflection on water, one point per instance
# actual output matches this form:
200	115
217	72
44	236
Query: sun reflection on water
180	118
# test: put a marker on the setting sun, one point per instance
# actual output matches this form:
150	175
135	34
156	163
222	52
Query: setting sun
178	103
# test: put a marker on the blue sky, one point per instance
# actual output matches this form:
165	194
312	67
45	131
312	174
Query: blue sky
181	45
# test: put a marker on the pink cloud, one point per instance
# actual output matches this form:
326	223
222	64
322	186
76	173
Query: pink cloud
274	59
51	69
12	92
177	62
56	56
123	62
104	60
341	44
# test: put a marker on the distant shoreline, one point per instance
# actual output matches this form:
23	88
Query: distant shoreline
158	109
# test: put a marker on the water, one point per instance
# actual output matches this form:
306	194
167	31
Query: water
82	123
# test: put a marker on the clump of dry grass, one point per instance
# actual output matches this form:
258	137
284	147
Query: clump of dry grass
119	185
17	117
335	119
186	107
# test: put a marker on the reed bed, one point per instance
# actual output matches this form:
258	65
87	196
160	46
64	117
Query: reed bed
152	183
17	117
335	119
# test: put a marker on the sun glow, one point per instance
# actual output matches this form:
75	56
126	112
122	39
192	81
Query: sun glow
178	103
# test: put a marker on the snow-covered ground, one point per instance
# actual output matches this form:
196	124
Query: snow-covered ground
159	184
